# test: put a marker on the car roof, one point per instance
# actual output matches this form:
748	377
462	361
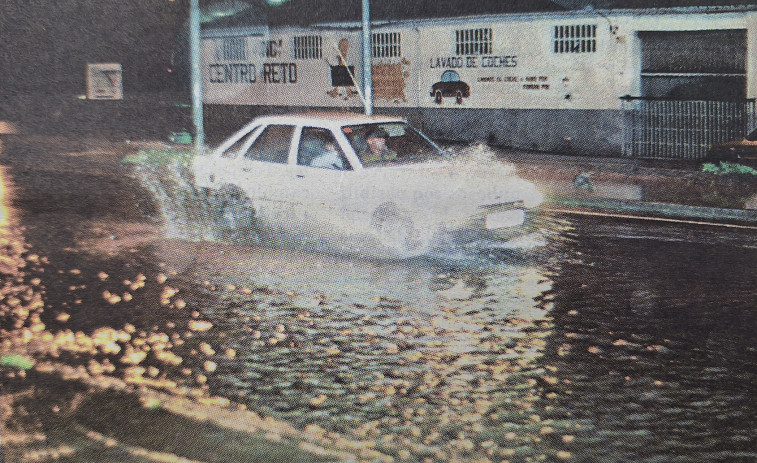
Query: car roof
325	118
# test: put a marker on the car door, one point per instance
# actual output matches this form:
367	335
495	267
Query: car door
222	167
264	171
323	179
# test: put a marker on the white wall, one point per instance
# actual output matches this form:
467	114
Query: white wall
532	77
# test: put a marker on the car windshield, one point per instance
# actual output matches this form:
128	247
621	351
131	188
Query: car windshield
390	143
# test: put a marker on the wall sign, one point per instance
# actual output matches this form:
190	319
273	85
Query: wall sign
104	81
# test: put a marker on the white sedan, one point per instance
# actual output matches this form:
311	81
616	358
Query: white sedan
366	184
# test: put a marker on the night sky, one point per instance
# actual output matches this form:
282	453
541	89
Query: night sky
46	44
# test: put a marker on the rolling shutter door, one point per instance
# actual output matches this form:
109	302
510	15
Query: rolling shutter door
694	65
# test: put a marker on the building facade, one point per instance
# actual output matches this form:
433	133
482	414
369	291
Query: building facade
663	82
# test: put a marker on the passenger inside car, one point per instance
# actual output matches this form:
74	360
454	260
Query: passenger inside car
318	149
330	158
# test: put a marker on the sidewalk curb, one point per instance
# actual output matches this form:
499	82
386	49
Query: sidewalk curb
661	210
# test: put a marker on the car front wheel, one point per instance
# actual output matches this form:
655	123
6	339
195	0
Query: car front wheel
394	229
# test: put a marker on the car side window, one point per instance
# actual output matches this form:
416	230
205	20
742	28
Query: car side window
239	146
318	148
272	145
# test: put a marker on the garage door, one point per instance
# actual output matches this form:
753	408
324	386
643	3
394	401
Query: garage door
694	65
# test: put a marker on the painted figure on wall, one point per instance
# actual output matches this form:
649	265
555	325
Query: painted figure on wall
343	74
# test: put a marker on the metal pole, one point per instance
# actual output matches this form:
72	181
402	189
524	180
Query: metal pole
367	71
195	76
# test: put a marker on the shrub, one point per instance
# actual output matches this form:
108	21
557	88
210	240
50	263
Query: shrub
725	168
160	157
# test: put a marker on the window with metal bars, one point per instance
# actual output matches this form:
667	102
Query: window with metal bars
386	45
473	41
575	39
308	47
233	49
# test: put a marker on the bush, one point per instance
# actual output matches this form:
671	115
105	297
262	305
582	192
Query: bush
160	157
725	168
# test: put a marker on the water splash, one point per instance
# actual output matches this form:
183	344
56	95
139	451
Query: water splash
185	210
193	214
480	155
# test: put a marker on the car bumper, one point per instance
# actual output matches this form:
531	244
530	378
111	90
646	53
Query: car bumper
501	222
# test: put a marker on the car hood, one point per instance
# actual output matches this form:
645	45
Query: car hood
458	184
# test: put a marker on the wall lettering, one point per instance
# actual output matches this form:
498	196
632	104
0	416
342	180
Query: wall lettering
280	73
499	61
235	73
452	62
536	83
272	48
528	82
246	73
448	62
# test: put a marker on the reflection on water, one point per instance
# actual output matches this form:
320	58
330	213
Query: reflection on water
418	357
420	283
4	213
21	295
626	343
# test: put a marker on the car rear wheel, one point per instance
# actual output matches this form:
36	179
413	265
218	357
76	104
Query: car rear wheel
438	97
234	214
459	97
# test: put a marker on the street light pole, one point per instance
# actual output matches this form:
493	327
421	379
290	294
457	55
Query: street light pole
367	68
195	76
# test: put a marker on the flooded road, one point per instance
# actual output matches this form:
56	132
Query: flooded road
614	341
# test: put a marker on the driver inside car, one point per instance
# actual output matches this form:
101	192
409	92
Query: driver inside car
376	149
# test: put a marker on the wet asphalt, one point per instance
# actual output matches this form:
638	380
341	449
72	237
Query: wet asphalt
613	341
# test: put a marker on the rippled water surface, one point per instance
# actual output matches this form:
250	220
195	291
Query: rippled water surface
613	342
625	342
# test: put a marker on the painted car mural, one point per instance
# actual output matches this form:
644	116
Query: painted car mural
450	85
